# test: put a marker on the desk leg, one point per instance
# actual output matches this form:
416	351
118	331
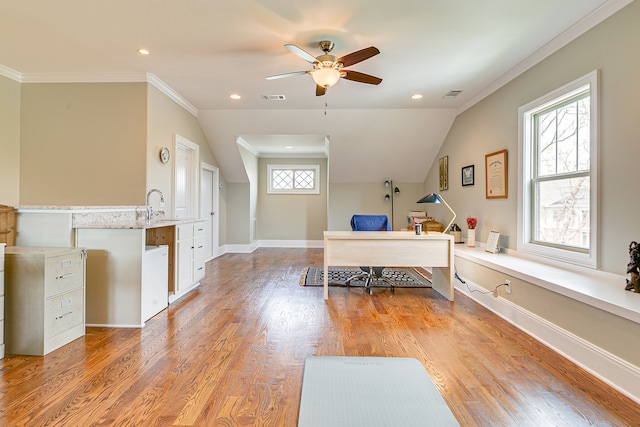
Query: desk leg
326	279
442	281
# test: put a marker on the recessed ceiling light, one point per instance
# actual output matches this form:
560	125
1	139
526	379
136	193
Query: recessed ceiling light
416	96
288	147
234	96
143	51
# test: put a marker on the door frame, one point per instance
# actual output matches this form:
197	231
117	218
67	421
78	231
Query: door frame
193	179
215	197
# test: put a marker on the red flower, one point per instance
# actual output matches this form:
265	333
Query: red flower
471	222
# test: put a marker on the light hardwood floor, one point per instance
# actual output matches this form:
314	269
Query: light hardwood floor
232	354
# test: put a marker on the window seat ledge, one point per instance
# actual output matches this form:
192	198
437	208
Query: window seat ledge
599	289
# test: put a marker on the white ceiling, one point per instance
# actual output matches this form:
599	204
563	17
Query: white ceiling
206	50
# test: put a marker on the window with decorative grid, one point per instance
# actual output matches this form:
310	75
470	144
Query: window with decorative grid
293	179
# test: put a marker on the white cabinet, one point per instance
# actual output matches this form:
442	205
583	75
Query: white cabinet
45	298
190	257
155	281
2	300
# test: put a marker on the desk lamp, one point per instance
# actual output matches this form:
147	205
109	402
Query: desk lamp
436	198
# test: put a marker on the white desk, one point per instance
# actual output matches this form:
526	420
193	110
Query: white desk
392	249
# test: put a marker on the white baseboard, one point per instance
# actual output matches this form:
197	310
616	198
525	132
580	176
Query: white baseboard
291	243
609	368
238	249
248	248
109	325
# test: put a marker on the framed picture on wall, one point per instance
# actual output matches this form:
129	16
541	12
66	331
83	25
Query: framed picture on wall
496	175
467	175
444	173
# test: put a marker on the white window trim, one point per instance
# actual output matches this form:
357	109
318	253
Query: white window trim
525	112
316	180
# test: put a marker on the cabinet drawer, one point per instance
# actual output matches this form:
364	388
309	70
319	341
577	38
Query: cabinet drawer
198	246
185	231
198	229
64	273
63	312
198	269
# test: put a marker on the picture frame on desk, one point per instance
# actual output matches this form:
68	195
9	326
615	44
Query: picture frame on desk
492	242
468	175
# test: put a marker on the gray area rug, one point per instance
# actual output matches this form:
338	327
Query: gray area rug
342	391
401	277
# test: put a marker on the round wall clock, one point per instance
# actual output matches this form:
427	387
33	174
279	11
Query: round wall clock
164	155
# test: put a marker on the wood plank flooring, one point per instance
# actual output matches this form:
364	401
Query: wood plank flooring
232	353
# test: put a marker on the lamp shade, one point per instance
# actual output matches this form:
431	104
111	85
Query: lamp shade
325	77
431	198
436	198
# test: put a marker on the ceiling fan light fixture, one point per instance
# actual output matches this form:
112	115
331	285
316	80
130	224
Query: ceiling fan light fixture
325	77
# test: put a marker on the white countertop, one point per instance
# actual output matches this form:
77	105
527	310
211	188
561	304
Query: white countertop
139	224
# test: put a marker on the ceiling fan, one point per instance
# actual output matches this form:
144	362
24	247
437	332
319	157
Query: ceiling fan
327	70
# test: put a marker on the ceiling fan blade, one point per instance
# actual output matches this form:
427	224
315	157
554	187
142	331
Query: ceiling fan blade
359	56
282	76
360	77
301	53
320	90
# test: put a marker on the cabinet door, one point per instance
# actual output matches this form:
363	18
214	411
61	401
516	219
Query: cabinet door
185	268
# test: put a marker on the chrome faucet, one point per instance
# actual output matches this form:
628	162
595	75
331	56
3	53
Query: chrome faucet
149	211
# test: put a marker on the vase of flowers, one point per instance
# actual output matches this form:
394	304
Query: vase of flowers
471	234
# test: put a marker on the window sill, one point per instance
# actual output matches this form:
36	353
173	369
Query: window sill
599	289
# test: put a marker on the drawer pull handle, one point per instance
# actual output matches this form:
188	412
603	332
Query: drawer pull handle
64	276
199	268
62	316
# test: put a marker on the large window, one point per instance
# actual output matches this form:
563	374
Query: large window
557	200
293	179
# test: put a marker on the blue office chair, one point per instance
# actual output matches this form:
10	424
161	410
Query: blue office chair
370	223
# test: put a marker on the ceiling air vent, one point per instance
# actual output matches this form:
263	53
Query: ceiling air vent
273	97
452	94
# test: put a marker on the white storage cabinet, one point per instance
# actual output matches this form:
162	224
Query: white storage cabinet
190	255
155	279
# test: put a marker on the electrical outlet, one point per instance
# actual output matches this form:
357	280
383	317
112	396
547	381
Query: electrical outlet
508	287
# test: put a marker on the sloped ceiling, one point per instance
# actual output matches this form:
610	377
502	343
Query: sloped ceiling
206	50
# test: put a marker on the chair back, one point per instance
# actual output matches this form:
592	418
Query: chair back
370	223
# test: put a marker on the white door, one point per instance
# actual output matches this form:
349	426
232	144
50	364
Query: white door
209	181
185	197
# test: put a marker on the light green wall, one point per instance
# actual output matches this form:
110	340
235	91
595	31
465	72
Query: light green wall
346	200
83	144
9	142
165	119
492	124
250	162
237	201
291	216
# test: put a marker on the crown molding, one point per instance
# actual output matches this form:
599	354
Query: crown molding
10	73
167	90
101	78
244	144
84	78
566	37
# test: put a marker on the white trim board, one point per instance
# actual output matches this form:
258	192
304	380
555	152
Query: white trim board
605	366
